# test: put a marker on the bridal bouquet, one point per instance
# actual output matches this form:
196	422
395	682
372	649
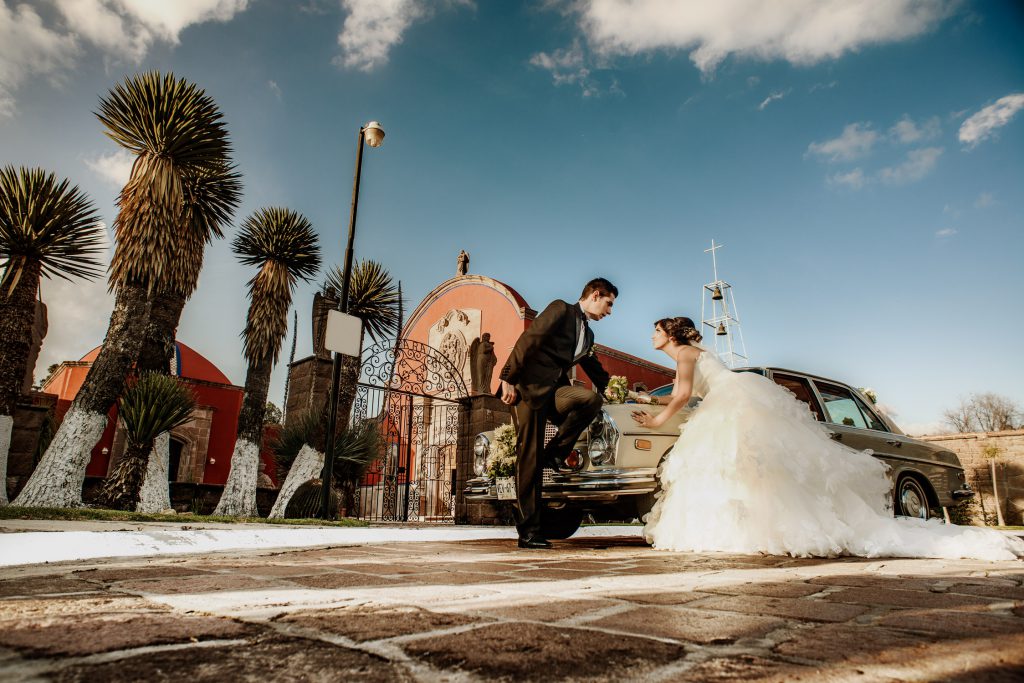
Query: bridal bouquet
616	390
870	394
502	460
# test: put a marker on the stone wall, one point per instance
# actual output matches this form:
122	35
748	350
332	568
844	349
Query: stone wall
970	448
309	382
30	418
483	412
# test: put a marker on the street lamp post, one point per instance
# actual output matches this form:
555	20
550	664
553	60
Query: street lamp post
373	135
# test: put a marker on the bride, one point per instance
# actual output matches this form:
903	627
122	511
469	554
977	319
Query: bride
754	472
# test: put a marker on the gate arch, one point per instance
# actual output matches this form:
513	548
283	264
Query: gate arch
416	395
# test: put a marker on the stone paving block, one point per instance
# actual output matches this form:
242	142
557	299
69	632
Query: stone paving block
535	652
89	603
84	634
953	624
209	583
368	622
812	610
770	590
991	590
746	668
131	573
858	642
556	574
550	610
666	597
458	578
694	625
271	659
915	583
888	597
45	585
342	579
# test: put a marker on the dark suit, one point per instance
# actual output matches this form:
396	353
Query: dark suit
539	367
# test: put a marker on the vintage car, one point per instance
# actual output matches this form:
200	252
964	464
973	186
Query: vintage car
611	473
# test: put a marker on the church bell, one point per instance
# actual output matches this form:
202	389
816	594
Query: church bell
721	330
716	295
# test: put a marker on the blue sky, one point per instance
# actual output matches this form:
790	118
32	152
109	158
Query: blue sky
861	163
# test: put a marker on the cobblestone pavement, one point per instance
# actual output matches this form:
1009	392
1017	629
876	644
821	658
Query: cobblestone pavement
591	609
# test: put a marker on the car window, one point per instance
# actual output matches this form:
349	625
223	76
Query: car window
801	388
663	390
873	420
841	405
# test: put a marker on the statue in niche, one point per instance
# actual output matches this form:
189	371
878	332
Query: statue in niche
322	303
481	363
463	267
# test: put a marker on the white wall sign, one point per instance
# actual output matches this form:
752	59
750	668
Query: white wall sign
343	334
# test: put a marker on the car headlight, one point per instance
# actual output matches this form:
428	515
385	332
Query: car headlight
481	449
603	437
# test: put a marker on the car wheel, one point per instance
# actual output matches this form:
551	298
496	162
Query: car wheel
911	499
558	523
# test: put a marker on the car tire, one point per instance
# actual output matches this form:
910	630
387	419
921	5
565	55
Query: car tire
559	523
910	498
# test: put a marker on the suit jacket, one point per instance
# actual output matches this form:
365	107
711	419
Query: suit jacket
544	354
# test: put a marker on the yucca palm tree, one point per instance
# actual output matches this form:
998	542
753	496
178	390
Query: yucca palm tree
156	403
211	197
177	132
47	228
282	243
374	299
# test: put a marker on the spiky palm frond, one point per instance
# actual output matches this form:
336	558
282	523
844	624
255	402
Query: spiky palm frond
177	131
211	196
372	297
50	222
284	245
155	403
354	448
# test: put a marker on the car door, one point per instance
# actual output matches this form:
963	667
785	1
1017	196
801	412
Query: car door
854	424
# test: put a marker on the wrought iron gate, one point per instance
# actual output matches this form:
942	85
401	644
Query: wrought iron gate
416	396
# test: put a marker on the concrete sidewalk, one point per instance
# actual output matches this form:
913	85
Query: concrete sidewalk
27	542
595	609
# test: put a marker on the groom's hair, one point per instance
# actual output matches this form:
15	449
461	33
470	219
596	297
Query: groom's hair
599	284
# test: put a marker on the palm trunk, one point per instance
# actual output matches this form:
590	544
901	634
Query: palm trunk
155	494
239	496
995	494
307	465
121	489
17	315
155	356
57	480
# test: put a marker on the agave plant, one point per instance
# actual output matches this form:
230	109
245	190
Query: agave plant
299	455
374	299
156	403
283	244
47	228
178	134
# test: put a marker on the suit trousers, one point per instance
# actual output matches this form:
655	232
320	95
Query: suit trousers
571	409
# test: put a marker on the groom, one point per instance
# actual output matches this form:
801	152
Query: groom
535	381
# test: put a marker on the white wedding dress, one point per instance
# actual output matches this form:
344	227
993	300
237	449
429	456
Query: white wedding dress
754	472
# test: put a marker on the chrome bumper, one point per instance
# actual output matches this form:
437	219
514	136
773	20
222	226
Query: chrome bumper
596	485
962	494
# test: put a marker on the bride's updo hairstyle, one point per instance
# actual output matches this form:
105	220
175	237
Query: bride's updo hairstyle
681	330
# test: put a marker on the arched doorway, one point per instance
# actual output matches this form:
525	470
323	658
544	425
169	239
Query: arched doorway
174	461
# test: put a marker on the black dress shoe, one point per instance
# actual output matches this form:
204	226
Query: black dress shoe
534	543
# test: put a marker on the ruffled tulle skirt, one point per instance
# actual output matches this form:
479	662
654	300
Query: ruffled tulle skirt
754	472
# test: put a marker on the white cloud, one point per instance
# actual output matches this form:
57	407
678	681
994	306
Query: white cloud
823	86
274	88
28	49
918	164
569	67
373	27
981	126
123	29
771	98
798	31
945	232
906	131
984	200
853	179
856	141
114	168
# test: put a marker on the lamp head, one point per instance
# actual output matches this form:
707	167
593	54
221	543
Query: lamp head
373	134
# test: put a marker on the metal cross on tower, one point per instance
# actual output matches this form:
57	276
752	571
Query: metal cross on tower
721	319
